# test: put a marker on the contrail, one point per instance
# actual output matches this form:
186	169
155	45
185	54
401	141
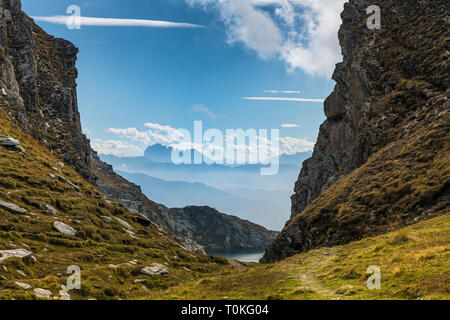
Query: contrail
284	99
112	22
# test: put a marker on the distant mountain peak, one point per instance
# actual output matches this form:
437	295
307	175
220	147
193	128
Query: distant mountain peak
159	153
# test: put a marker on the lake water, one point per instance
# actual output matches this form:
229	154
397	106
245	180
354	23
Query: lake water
243	255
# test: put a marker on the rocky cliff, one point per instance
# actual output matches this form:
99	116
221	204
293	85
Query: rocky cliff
37	79
214	230
39	92
382	158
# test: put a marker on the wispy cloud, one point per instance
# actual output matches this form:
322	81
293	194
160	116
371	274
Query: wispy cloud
283	99
290	125
113	22
282	92
205	110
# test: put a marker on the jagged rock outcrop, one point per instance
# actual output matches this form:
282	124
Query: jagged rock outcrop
38	90
214	230
38	85
382	156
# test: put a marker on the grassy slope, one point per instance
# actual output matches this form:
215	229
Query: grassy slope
414	261
25	181
414	264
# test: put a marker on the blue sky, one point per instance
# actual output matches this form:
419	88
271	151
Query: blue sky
169	77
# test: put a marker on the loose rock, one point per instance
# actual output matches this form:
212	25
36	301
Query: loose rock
9	142
106	219
23	285
12	208
70	183
125	224
15	253
52	210
155	269
64	228
42	293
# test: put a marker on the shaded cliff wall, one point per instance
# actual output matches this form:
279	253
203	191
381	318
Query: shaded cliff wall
390	102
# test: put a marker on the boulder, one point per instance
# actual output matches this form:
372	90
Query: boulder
23	285
42	293
155	269
9	142
15	253
64	228
124	224
23	274
12	208
52	210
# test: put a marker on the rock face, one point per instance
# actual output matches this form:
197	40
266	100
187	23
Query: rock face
387	128
38	90
37	77
214	230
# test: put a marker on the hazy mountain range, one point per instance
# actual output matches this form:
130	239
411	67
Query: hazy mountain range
264	200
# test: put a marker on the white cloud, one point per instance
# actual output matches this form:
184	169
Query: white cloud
117	148
282	92
303	33
283	99
157	133
290	125
290	145
112	22
134	142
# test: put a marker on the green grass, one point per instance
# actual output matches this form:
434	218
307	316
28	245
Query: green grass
414	264
25	181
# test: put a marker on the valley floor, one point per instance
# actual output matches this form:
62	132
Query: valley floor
414	264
